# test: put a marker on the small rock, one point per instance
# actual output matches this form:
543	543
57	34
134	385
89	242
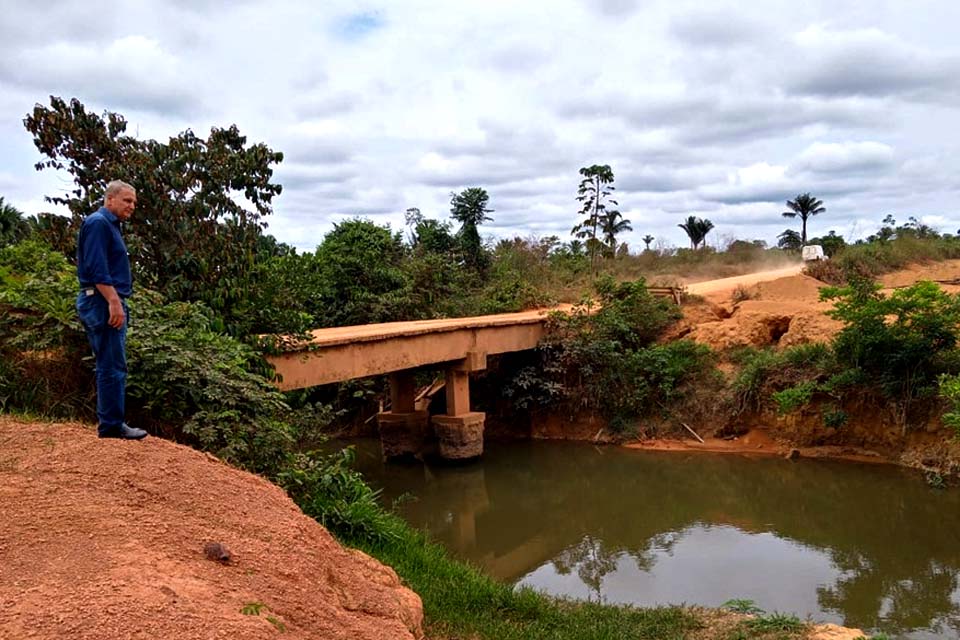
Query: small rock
793	455
217	552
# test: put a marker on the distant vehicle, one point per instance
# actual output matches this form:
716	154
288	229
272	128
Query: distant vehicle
812	252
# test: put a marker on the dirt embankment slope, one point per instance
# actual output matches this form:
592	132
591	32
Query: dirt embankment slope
105	539
764	310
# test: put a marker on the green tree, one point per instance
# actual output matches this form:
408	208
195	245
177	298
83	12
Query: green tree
647	239
614	224
469	208
789	240
200	202
697	230
13	226
831	243
360	278
594	193
804	206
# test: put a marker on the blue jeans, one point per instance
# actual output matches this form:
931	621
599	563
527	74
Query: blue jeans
110	349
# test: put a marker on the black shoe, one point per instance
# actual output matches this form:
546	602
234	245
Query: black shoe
125	432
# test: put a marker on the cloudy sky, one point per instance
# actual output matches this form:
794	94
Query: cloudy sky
720	111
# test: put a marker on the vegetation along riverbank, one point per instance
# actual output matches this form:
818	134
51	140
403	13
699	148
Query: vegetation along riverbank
867	365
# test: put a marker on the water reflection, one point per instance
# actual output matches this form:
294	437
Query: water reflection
864	546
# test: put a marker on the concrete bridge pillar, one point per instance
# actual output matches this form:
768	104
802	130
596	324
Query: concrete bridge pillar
460	431
403	429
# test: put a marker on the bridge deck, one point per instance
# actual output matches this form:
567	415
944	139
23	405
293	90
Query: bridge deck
342	353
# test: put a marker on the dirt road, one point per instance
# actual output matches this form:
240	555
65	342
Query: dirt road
729	284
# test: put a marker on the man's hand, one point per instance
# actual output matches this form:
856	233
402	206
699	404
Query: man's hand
116	314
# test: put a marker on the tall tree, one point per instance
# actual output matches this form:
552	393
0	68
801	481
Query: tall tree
647	239
804	206
469	207
697	229
704	227
200	202
789	240
613	224
13	226
594	193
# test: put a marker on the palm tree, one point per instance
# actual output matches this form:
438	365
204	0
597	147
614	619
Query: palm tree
13	226
594	192
804	206
693	231
469	207
697	230
704	227
647	239
612	225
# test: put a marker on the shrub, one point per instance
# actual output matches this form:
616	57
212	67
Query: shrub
901	342
326	488
603	358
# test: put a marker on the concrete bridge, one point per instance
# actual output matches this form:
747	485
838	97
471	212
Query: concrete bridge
457	345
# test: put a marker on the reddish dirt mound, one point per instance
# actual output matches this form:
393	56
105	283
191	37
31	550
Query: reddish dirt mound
105	539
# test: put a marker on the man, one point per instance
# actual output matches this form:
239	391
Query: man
103	268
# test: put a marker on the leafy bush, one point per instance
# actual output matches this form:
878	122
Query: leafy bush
792	398
790	376
901	342
326	488
603	358
195	384
42	345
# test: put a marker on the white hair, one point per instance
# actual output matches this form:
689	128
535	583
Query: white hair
116	186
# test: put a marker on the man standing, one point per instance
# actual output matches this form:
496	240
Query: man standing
103	268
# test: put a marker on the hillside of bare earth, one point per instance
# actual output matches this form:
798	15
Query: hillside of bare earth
764	310
782	307
106	539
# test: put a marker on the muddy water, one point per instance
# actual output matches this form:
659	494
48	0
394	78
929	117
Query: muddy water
861	545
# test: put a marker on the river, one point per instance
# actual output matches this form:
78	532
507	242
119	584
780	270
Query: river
868	546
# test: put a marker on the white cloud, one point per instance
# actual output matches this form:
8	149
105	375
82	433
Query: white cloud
712	111
845	157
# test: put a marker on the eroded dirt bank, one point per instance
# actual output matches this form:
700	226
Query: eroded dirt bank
780	312
105	539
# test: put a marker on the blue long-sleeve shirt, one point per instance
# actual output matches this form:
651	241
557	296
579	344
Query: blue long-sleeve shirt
102	255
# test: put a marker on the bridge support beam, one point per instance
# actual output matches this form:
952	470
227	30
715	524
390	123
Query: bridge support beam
403	429
460	431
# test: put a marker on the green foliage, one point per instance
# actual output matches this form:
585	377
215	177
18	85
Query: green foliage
697	230
595	350
185	379
200	202
13	226
832	243
469	208
792	398
742	605
804	206
835	418
191	382
594	193
359	276
901	342
790	376
327	489
42	344
775	622
790	240
950	391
